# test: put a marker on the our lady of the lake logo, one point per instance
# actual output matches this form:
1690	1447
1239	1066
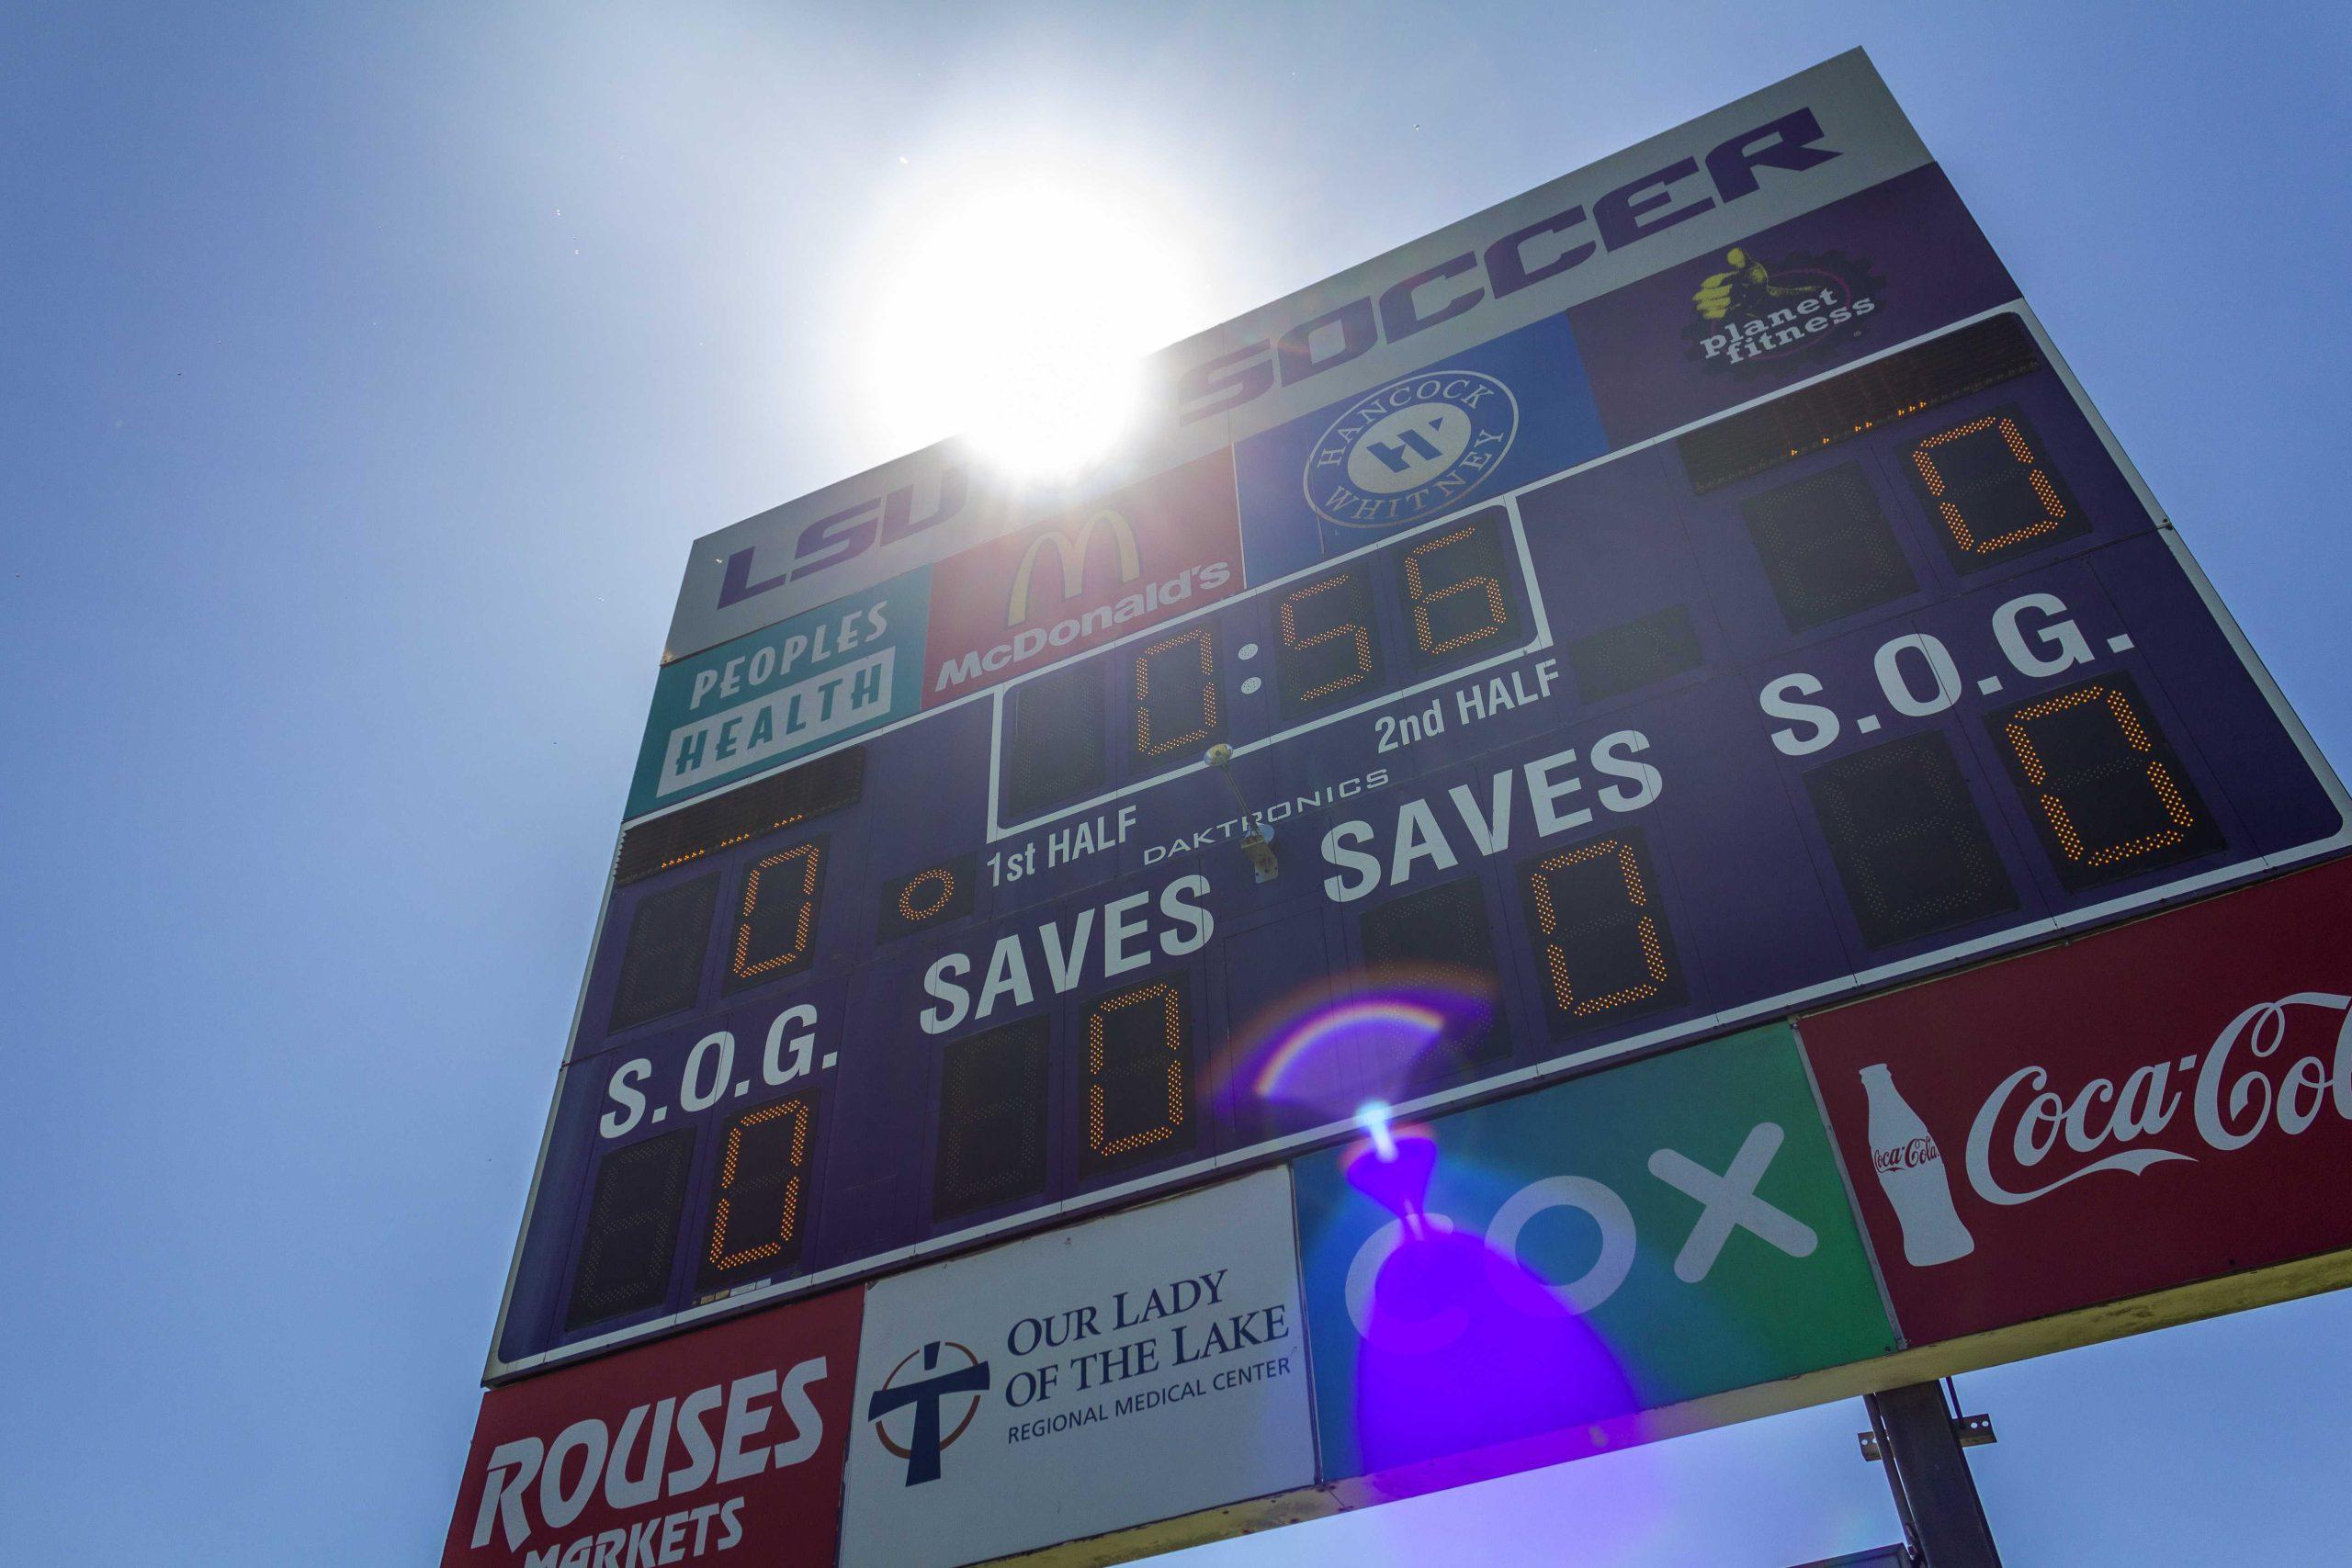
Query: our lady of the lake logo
1756	317
1414	448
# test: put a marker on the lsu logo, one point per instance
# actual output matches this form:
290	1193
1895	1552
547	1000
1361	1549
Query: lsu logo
1411	450
1756	317
1071	542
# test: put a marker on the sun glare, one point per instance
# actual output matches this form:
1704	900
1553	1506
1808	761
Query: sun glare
1015	309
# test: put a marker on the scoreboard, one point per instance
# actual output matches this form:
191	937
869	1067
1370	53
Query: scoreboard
1329	764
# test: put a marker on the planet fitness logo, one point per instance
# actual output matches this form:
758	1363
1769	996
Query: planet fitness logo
1410	450
1757	318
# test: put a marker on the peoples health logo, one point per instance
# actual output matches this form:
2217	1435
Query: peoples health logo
1415	447
927	1393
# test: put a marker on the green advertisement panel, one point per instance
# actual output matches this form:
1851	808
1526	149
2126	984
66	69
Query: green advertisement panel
1559	1262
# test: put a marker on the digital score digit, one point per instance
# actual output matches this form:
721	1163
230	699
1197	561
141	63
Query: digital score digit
1828	548
755	1221
1450	598
1460	591
1441	933
1138	1075
1604	950
1176	700
1993	490
1055	740
1327	655
2109	798
775	925
662	967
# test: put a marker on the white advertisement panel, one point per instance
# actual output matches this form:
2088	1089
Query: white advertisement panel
1141	1367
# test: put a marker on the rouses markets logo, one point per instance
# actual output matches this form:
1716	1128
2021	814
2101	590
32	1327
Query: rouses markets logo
1756	317
927	1389
1415	447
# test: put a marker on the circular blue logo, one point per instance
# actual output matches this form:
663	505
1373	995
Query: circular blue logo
1416	447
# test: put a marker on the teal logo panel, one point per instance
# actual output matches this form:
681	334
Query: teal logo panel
1546	1267
784	691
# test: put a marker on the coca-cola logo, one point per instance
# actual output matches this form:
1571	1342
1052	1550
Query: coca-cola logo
2236	1089
1907	1156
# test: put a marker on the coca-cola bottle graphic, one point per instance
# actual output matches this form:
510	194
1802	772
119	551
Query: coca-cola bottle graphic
1911	1169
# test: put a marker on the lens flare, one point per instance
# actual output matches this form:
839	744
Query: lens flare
1308	1060
1014	299
1393	1169
1334	1058
1468	1362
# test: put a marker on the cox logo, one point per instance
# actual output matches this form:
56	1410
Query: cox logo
1728	1202
1411	450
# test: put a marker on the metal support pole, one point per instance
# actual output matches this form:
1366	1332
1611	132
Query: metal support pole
1934	1493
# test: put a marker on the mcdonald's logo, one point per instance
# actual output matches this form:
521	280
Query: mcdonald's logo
1071	542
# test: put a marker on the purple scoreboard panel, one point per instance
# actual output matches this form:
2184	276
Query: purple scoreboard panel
1761	619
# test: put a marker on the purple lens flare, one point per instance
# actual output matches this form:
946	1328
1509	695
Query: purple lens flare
1462	1348
1331	1057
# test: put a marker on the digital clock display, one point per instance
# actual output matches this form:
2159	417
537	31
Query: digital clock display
1129	714
1881	673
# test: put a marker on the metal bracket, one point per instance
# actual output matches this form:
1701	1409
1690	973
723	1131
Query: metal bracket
1969	1431
1257	838
1917	1435
1260	848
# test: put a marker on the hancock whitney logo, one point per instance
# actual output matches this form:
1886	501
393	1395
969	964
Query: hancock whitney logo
941	1381
1756	317
1414	448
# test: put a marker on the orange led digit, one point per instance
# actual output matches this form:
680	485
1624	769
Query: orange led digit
1654	974
735	1182
773	883
1423	600
1155	1062
1355	632
1996	495
2106	794
1203	659
2117	706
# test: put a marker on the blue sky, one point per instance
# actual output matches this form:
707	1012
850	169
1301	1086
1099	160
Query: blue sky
367	371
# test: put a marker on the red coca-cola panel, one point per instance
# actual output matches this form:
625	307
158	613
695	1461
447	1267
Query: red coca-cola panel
723	1441
2158	1104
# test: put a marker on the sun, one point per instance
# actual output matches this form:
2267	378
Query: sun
1014	305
